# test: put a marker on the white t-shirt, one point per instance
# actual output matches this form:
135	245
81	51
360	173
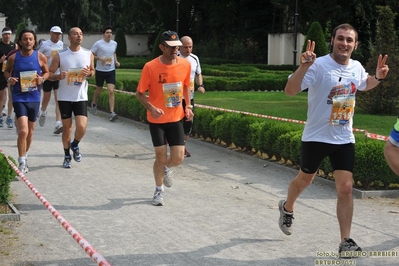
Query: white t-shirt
49	49
105	49
195	70
74	87
329	82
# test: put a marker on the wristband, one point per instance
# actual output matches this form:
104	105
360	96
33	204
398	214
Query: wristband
9	79
375	76
189	106
200	86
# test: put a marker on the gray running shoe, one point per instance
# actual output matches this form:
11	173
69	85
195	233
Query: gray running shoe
93	108
1	121
76	154
285	220
10	123
42	118
167	180
67	162
23	167
349	249
58	129
157	200
113	116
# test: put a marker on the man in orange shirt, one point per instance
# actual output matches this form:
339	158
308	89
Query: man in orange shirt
166	79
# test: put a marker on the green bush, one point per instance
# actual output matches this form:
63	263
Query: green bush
121	49
7	174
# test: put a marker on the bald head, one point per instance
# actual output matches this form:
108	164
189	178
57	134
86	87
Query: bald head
187	47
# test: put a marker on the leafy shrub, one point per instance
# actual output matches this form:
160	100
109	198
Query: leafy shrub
7	174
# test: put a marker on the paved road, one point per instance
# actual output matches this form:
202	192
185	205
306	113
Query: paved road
221	210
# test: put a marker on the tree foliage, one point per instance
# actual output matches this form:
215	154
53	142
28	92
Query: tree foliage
121	49
383	100
316	34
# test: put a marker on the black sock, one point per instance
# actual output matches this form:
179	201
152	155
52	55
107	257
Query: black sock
75	143
67	154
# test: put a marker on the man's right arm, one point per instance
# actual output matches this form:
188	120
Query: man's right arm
293	86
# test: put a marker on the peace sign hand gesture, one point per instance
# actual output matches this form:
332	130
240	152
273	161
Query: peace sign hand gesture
382	68
308	57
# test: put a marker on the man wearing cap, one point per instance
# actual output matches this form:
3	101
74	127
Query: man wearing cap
166	79
196	76
104	51
6	46
49	48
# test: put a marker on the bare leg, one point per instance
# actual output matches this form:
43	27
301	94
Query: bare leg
391	153
343	184
297	185
111	96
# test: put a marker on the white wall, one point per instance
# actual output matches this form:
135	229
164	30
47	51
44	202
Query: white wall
136	43
281	48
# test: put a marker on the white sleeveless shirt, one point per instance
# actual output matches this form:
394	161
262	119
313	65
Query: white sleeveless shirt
74	87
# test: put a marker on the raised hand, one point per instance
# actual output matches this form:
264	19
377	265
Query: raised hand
382	68
308	57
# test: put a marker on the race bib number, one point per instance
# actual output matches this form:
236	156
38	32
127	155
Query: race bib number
28	81
3	67
108	60
75	76
54	51
172	93
342	110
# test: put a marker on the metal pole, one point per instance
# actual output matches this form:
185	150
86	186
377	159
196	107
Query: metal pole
295	34
177	16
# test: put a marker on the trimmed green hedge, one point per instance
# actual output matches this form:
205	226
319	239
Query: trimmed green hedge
276	139
7	174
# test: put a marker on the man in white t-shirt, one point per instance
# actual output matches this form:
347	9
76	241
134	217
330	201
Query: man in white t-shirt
75	64
195	77
49	48
104	51
332	81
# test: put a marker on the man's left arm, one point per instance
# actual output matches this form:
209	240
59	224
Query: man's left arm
117	64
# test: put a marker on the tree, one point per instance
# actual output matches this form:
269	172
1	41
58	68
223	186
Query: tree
21	27
121	49
316	34
383	100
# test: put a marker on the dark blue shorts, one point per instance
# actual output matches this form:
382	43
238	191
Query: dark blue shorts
49	85
108	77
26	109
172	133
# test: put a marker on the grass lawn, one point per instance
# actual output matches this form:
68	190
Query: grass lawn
274	104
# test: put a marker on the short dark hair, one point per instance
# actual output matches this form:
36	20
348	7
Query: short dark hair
345	26
105	28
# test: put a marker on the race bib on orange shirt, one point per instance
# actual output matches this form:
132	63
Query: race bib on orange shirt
28	81
172	94
75	76
342	110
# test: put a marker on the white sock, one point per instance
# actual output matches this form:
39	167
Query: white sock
21	159
159	188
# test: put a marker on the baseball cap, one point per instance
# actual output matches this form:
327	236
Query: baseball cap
170	38
56	29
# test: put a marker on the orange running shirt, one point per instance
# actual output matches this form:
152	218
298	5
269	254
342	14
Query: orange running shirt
165	84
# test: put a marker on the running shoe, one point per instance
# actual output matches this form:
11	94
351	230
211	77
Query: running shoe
157	200
93	109
285	221
167	180
76	154
67	162
113	116
58	129
348	249
42	118
10	123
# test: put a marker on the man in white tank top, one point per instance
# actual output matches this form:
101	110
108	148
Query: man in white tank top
49	48
75	64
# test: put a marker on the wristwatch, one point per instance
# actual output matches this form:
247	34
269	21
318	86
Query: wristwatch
200	86
189	106
9	79
375	76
